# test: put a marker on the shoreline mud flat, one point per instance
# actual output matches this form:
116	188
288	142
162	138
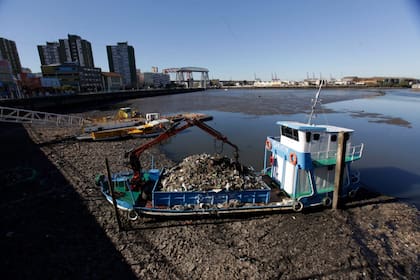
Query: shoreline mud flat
62	227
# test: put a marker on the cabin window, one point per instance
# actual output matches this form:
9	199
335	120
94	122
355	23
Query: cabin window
308	137
290	132
333	138
316	136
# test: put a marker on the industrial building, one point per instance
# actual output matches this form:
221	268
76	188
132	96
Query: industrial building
75	77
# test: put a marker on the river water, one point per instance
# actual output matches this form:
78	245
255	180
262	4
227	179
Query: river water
387	122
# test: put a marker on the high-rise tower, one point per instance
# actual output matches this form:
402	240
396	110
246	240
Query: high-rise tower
121	60
50	53
73	49
8	51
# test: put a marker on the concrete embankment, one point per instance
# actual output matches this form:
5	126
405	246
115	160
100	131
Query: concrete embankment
68	101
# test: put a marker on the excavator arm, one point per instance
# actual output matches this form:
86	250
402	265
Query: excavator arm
134	155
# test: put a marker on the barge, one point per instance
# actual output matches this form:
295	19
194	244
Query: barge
299	172
127	123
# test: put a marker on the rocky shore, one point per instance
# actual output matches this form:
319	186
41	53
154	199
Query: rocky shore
60	227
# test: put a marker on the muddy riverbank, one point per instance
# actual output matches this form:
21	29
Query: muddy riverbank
59	226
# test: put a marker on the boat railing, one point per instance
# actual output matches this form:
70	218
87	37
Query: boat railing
353	152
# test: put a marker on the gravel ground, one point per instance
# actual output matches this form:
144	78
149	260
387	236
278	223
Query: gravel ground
60	227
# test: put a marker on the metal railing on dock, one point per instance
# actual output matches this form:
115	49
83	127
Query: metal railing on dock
16	115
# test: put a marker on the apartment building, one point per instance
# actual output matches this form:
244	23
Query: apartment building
8	51
74	49
50	53
121	60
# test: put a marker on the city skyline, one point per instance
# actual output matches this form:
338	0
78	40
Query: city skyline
71	49
236	40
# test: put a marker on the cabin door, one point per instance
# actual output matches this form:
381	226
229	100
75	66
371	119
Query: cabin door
289	177
278	169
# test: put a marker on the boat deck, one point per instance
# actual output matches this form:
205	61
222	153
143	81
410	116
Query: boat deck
333	161
277	200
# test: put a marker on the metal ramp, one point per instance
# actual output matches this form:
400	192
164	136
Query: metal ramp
16	115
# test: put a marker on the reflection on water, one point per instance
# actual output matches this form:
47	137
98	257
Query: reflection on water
391	131
387	124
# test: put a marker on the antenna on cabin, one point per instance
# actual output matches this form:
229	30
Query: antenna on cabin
315	102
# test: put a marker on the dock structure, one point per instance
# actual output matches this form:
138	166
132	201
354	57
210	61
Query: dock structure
16	115
340	167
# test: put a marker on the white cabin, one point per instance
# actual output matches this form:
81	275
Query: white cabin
302	160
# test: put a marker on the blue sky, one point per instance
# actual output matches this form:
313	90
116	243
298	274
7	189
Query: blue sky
233	39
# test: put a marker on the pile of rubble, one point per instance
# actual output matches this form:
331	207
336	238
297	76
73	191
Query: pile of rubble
204	172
